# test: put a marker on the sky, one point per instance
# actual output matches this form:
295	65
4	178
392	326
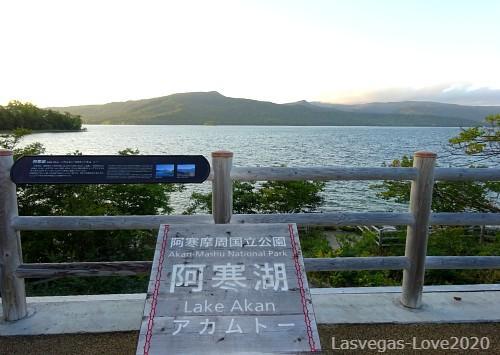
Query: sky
62	53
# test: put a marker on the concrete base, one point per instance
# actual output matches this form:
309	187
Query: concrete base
441	304
360	305
78	314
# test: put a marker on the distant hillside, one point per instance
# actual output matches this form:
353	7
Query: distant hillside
475	113
212	108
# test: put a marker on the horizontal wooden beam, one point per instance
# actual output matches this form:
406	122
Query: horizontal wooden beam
321	173
467	174
128	268
465	219
115	268
356	263
328	218
462	262
104	222
153	222
401	262
325	173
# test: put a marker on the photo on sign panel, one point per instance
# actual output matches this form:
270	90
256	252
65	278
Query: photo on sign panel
186	170
164	170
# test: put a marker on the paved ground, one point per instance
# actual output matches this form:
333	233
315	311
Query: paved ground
125	343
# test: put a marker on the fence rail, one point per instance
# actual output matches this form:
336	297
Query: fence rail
413	263
353	173
129	268
26	223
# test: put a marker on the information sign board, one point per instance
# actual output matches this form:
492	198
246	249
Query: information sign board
110	169
228	289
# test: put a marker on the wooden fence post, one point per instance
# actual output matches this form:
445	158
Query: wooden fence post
11	287
222	186
417	233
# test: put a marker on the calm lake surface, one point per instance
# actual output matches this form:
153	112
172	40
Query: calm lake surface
271	146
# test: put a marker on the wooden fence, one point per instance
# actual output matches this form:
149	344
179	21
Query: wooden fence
422	175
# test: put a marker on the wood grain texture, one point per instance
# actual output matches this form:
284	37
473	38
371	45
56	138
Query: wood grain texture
462	262
103	222
418	232
11	287
351	173
267	319
153	222
190	341
321	173
467	174
222	187
115	268
356	263
464	219
127	268
328	218
326	173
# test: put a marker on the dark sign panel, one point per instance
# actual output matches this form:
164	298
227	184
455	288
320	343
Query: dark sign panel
110	169
227	289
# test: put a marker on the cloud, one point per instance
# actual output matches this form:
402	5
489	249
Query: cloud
462	94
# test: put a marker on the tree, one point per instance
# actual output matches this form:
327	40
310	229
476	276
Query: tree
447	196
10	141
446	241
270	197
481	141
26	115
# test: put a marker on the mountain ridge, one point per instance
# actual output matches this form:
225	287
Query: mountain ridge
476	113
213	108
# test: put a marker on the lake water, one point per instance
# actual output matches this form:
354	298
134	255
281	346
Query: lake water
271	146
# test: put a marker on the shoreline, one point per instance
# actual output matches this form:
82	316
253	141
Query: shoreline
85	129
48	131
